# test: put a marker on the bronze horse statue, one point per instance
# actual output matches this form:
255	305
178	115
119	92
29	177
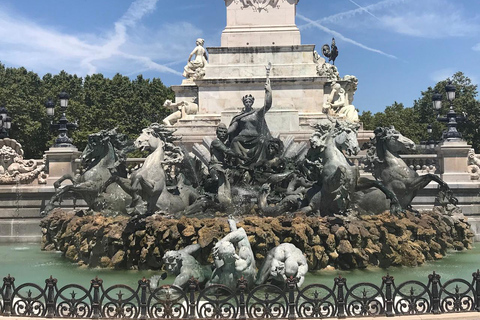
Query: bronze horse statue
148	185
337	179
105	151
394	173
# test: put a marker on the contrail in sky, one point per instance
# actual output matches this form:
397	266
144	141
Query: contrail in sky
137	10
350	13
364	9
342	37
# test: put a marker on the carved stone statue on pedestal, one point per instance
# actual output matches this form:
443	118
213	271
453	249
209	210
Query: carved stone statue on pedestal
339	102
196	69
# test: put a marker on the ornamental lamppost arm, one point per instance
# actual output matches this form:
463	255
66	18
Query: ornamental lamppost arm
451	119
63	125
5	123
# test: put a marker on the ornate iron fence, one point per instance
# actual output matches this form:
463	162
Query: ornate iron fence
220	302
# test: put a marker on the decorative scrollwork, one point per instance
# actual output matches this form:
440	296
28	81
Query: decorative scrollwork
364	299
167	302
259	5
412	297
267	301
29	300
316	301
458	296
217	301
73	301
124	306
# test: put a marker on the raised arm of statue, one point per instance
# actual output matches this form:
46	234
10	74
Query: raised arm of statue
268	91
268	98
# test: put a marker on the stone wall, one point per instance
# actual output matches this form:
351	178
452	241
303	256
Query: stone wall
382	240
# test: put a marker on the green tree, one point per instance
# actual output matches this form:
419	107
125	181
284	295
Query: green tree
20	93
403	119
95	102
413	122
465	102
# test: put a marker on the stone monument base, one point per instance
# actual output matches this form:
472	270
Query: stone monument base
282	122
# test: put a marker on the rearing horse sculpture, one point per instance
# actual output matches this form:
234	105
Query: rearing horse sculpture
394	173
105	151
337	178
148	183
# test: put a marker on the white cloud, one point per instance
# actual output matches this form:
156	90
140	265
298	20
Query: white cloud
442	74
44	49
425	18
342	37
433	24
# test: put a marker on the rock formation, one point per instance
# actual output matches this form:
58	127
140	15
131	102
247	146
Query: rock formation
383	240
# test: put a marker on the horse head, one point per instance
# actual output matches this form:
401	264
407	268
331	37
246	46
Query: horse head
388	138
98	146
345	134
148	140
153	137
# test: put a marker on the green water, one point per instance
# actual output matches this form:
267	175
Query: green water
27	263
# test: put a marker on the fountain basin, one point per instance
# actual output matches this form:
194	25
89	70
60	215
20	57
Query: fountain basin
382	240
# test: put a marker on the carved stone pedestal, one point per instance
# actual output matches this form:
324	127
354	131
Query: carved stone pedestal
61	161
453	160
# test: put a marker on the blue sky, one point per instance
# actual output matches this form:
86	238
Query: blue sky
396	48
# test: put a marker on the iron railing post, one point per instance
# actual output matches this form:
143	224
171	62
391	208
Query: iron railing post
291	285
476	280
96	284
143	284
50	285
340	283
242	287
192	287
9	283
434	279
388	282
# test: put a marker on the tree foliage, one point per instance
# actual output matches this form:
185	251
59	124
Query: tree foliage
413	122
96	103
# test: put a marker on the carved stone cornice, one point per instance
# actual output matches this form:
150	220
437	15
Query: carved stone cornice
260	5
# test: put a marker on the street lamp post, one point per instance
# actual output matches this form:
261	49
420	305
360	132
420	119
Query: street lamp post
63	125
5	123
451	119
